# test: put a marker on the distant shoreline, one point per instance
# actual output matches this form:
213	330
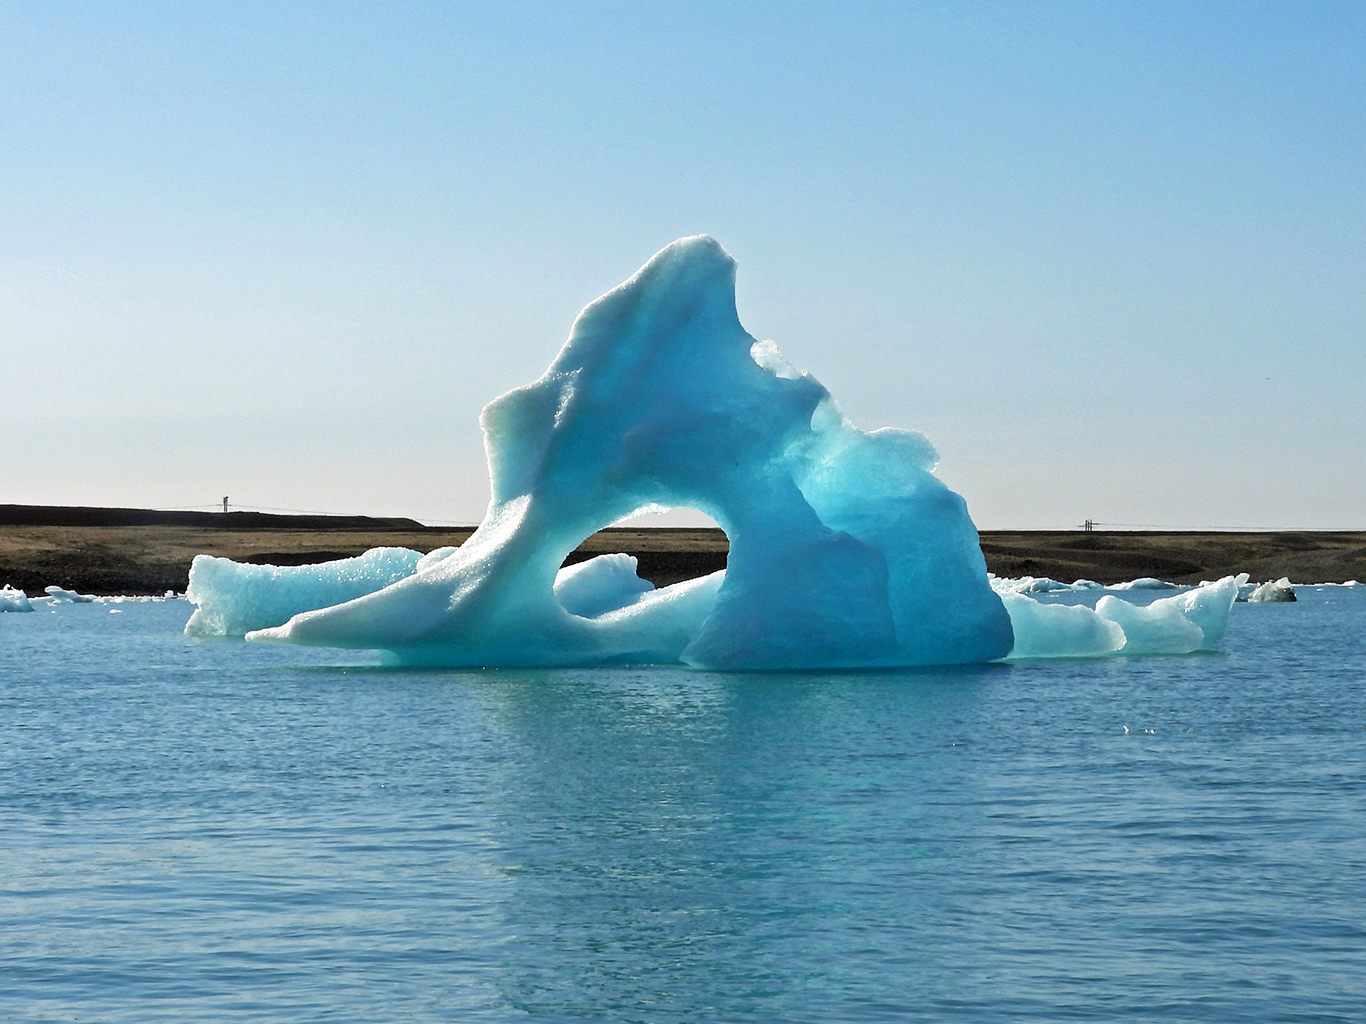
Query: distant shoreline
147	551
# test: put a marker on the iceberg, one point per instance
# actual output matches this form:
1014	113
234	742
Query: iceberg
1182	624
12	600
845	550
1028	585
1273	591
59	595
1144	583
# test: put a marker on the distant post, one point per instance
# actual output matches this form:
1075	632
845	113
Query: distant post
225	508
1085	526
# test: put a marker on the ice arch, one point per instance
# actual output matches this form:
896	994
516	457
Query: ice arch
845	550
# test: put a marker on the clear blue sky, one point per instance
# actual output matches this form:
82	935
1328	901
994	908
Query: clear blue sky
1111	258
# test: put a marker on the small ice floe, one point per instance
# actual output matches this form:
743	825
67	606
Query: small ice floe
1027	585
1276	590
60	596
1146	583
12	600
1041	585
1181	624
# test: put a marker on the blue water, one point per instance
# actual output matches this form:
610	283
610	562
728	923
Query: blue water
214	830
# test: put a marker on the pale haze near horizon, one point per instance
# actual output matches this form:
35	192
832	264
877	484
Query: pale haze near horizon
1111	262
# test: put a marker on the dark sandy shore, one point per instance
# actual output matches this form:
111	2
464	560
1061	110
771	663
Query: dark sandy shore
135	551
1307	556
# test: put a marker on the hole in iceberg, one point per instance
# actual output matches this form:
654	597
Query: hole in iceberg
645	553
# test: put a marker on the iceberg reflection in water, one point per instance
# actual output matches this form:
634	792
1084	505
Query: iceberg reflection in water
845	550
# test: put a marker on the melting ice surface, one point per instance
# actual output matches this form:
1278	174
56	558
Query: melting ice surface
845	549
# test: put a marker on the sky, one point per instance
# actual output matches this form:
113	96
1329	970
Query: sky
1110	258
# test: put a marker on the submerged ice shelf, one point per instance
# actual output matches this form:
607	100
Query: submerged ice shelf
845	549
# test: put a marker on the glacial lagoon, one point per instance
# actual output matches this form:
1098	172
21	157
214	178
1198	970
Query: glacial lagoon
207	829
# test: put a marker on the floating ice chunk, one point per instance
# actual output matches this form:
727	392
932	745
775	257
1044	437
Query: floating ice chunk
1144	583
61	596
1028	585
1180	624
1044	585
234	598
844	549
1276	590
12	600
